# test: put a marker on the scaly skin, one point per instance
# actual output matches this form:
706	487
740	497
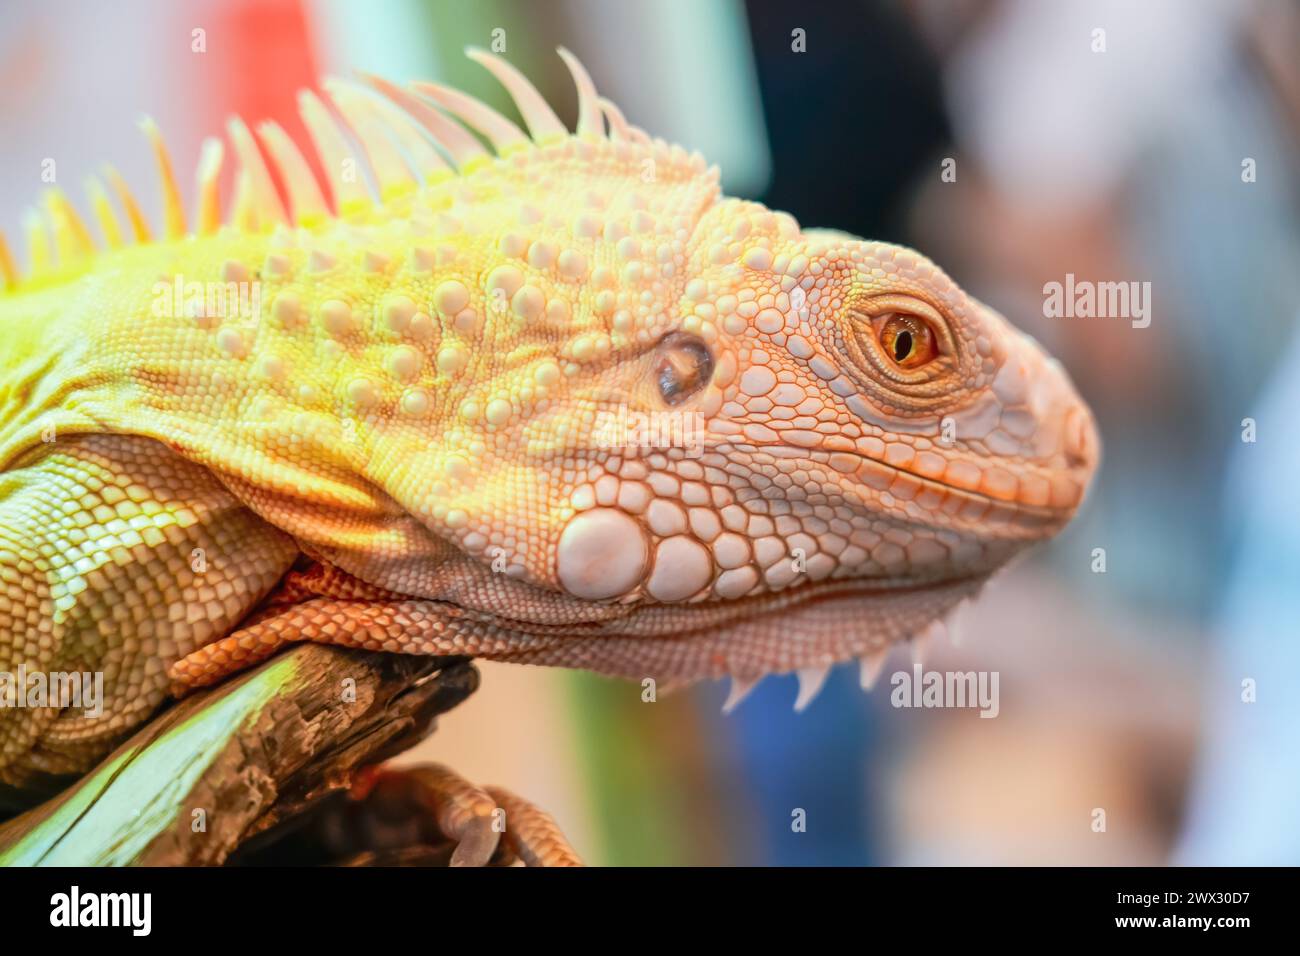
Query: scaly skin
416	422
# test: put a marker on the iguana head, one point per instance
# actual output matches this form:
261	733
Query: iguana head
827	448
702	441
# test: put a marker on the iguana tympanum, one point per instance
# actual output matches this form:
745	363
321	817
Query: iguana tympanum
559	402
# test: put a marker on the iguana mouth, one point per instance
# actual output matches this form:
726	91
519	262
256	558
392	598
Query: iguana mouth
880	475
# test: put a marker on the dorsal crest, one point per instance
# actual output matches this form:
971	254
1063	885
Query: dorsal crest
411	140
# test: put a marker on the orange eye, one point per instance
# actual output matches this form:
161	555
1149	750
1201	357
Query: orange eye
906	339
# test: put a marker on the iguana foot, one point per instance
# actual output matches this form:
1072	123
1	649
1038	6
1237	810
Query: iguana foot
324	605
488	825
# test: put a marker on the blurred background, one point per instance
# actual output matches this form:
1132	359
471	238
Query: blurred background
1153	142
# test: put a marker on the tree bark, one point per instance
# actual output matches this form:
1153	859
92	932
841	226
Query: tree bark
227	764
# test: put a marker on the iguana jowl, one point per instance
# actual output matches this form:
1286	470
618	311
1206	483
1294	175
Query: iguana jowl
403	442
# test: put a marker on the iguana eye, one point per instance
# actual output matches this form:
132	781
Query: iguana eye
906	339
685	366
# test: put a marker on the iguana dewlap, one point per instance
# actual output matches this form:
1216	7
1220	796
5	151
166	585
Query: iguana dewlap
409	424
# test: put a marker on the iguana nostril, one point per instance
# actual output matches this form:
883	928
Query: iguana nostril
1080	438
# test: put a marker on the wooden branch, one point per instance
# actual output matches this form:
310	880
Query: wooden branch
231	762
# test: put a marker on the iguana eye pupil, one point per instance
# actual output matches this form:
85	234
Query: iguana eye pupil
684	368
907	339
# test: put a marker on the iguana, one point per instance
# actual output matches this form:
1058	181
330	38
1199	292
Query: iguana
555	402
